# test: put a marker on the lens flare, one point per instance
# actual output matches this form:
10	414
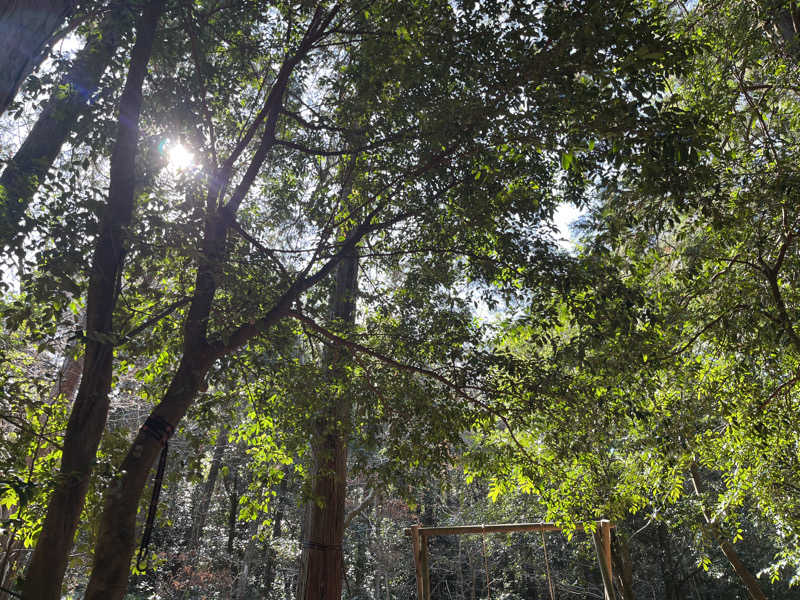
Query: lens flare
179	157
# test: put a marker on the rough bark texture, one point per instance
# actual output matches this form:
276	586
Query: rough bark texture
321	566
88	417
25	28
26	170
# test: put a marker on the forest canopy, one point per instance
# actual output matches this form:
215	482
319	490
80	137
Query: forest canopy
282	279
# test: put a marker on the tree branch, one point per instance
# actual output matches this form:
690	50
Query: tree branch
456	389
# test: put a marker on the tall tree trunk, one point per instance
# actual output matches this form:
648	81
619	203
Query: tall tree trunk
88	417
321	563
204	501
242	585
29	166
26	27
750	582
623	571
115	541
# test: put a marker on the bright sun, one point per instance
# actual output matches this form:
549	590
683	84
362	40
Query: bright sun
179	157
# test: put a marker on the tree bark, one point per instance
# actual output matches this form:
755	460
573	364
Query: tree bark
750	582
88	417
623	571
321	563
25	172
25	28
115	540
203	503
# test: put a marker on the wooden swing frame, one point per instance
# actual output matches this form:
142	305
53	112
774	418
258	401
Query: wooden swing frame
419	542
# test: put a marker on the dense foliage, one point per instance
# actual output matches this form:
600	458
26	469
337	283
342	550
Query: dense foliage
319	239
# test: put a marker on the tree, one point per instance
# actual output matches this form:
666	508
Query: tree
284	90
26	171
26	28
87	419
685	355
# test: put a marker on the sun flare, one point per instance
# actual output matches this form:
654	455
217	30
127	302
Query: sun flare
179	157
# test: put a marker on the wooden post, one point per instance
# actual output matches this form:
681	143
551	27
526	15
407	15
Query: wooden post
602	544
419	538
414	531
426	570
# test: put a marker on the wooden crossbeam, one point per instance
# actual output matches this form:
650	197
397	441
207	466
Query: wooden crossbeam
419	539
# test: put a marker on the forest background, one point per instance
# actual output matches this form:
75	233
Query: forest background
306	252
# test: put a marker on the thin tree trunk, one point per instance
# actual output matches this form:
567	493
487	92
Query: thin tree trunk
26	27
26	171
321	563
242	580
623	570
277	523
203	503
88	417
750	582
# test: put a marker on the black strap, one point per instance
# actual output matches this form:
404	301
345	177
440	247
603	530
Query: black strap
160	430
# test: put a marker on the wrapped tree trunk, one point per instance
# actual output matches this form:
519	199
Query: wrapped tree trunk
26	27
26	170
88	417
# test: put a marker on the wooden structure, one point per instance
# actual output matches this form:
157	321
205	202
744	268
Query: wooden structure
419	541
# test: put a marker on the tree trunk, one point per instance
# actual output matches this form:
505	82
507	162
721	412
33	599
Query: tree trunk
88	417
203	503
115	540
29	166
242	585
750	582
321	562
623	571
26	26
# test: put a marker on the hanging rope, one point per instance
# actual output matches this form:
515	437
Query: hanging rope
485	563
547	566
160	430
